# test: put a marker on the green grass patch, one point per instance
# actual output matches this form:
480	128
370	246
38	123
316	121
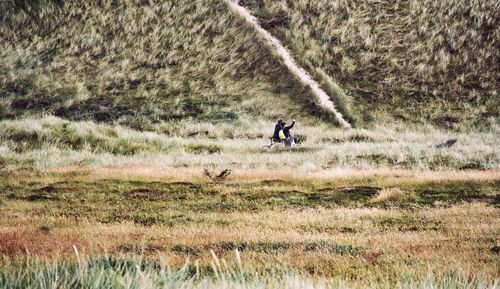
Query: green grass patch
145	203
270	247
113	272
204	149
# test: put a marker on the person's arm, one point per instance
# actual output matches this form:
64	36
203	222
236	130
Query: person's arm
290	126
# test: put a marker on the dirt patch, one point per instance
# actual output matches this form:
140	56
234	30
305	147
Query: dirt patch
145	194
46	189
54	189
37	243
183	184
363	190
273	182
41	197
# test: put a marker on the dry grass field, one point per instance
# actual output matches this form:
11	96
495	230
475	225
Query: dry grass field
377	208
373	229
360	208
133	141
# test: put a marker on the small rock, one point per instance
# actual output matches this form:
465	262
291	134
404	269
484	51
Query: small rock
447	144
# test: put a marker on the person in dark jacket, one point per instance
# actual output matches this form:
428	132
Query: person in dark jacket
286	129
277	128
289	142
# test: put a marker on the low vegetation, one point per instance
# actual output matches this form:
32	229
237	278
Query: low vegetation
369	230
51	142
351	208
108	272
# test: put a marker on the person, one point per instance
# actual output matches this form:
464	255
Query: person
278	128
286	129
289	141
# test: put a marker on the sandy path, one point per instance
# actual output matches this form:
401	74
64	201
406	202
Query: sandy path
302	75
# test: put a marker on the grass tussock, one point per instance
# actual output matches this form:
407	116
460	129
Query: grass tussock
23	136
203	148
109	272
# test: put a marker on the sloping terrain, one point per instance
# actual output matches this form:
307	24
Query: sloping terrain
139	63
413	60
319	95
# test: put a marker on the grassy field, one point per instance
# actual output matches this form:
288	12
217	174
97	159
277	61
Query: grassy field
361	208
376	229
50	143
116	117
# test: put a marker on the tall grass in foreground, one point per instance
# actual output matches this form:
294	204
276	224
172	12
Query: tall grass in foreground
108	272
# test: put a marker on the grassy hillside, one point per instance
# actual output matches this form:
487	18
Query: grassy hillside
413	60
139	63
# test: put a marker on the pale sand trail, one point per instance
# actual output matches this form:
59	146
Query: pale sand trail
302	75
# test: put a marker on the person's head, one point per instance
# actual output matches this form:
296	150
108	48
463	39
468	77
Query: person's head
280	121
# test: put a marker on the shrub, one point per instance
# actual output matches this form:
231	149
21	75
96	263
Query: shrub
204	148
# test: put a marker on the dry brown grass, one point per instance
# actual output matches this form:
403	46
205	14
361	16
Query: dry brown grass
395	229
461	235
389	194
27	241
140	170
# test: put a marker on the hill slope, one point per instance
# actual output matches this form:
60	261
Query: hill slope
139	63
432	60
135	63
